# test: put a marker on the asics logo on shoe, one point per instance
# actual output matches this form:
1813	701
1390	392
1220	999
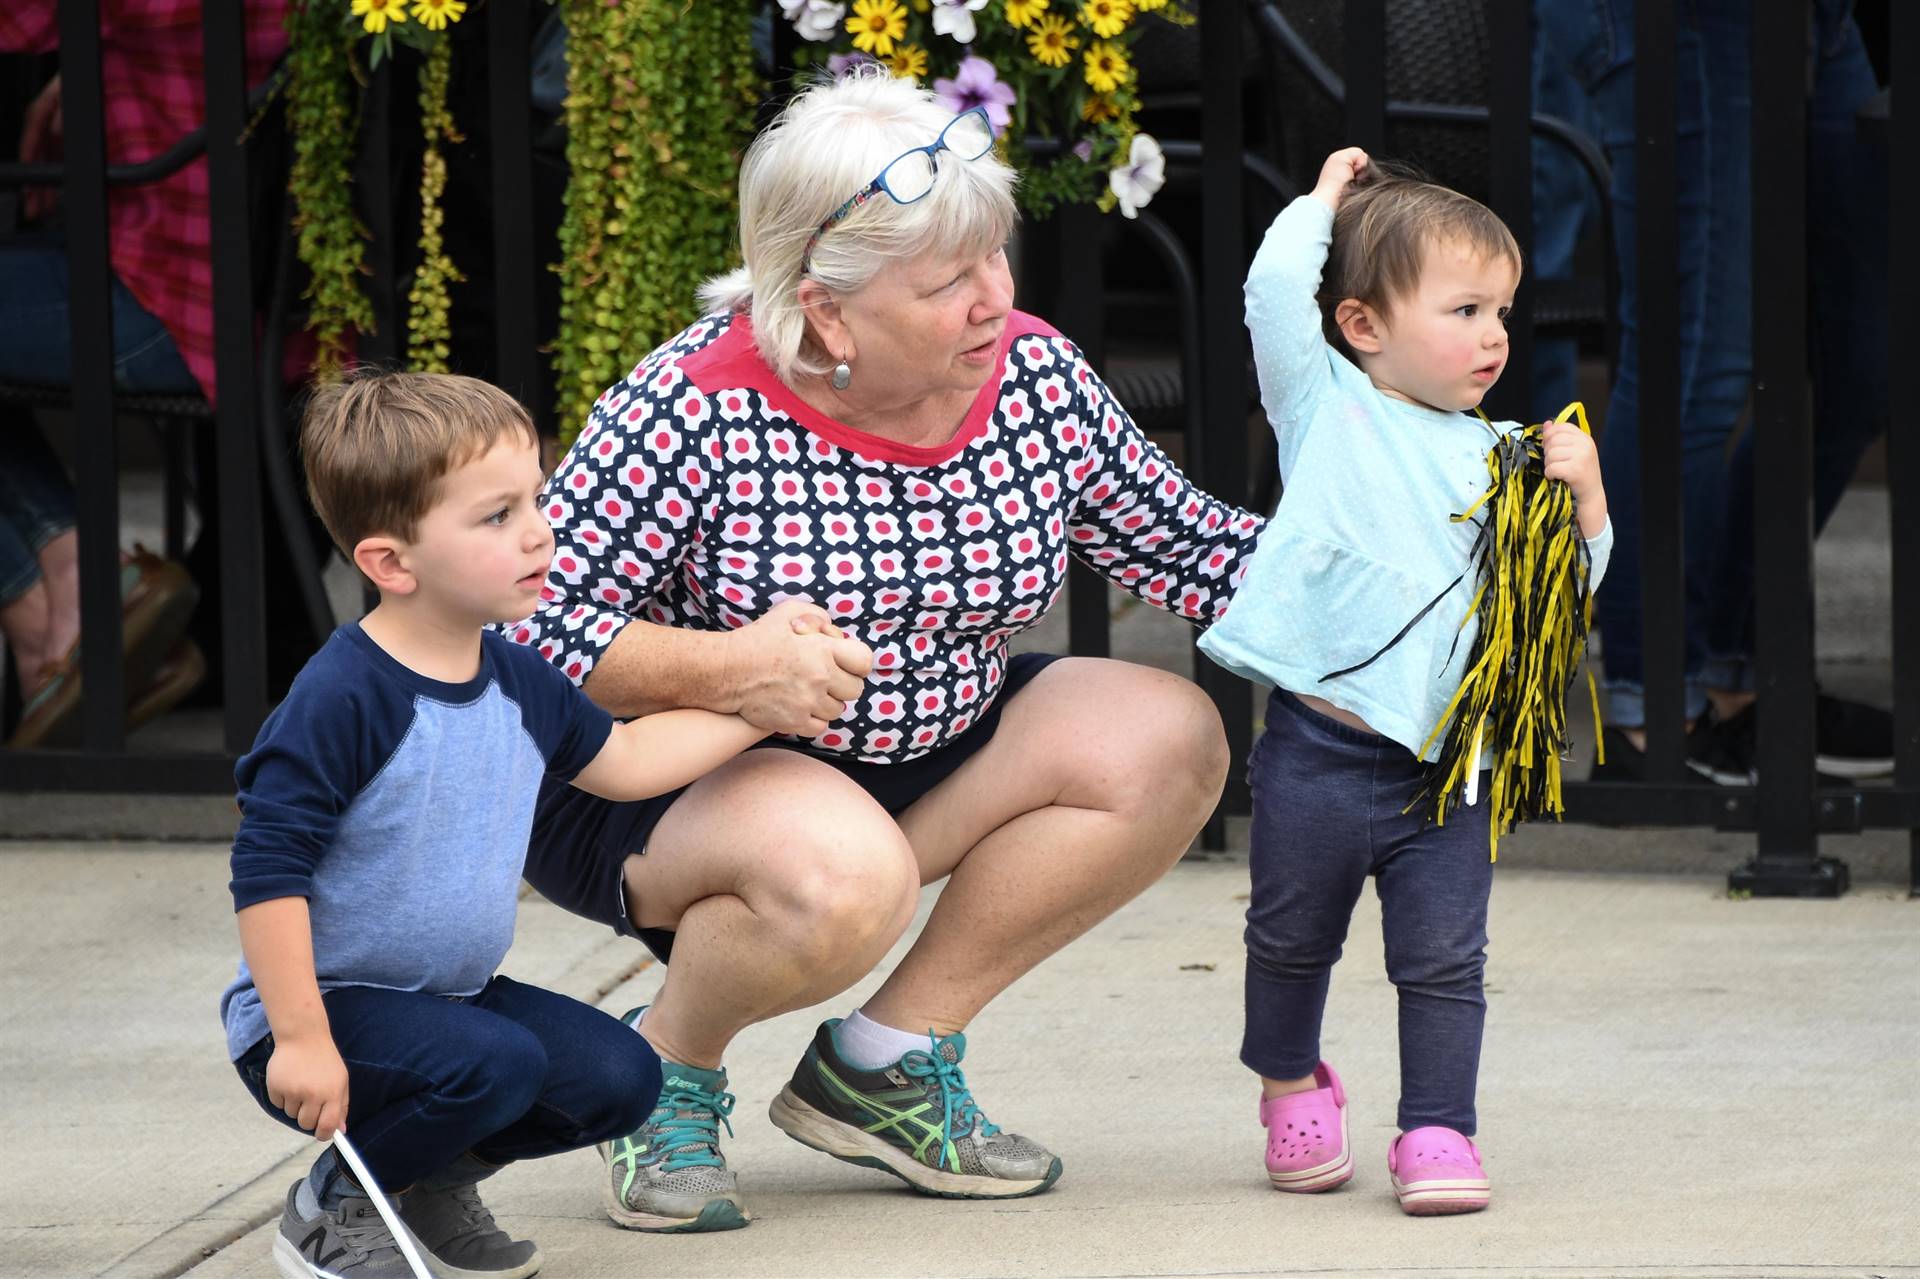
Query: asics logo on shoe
676	1082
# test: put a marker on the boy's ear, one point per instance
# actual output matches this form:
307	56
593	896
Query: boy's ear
379	557
824	321
1360	325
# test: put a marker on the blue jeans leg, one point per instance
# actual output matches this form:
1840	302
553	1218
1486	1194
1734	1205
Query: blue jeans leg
1565	203
36	503
36	496
515	1072
1847	246
36	326
1712	151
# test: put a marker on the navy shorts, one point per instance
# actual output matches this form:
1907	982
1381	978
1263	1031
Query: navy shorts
578	851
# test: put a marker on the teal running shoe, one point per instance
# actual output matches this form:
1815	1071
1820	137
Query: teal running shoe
668	1175
915	1119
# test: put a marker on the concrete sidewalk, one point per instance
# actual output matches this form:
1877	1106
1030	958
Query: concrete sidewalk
1674	1084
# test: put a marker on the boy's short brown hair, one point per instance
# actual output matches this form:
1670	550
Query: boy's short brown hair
377	444
1386	221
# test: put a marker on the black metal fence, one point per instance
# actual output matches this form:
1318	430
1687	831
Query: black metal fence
1788	815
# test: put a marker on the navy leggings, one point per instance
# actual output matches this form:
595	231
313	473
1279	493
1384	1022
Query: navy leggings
1327	803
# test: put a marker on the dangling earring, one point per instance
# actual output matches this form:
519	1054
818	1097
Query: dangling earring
842	375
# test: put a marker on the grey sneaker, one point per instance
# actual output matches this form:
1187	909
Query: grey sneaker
445	1213
915	1119
668	1175
351	1242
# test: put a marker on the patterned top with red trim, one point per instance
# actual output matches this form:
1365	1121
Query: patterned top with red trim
702	492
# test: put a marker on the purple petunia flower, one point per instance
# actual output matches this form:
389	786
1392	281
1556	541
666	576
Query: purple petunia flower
840	64
977	84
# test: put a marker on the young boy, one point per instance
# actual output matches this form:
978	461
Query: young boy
385	810
1357	609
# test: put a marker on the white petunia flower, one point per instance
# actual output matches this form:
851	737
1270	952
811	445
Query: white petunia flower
1144	173
816	20
955	18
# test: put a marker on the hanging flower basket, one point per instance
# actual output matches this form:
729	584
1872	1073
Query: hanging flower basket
1051	69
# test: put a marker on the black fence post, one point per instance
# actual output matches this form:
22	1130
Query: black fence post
1510	162
90	285
515	256
1903	450
1223	381
1079	295
1661	567
1787	862
1364	68
243	612
384	344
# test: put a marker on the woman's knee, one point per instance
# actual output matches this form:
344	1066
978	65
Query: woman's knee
844	889
1178	749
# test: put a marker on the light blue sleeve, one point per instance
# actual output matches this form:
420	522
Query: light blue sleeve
1290	352
1600	547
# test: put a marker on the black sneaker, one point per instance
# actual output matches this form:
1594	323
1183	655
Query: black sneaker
1852	740
1628	763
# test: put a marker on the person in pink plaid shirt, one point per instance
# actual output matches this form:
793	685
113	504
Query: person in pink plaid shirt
160	238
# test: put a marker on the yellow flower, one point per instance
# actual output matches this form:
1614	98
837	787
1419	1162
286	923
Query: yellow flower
378	13
434	15
1024	13
1148	6
875	25
1107	17
1107	66
1099	108
909	61
1052	41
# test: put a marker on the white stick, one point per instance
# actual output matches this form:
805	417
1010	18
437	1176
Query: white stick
387	1214
1473	769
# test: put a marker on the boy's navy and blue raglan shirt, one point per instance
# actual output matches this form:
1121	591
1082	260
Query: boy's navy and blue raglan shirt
400	807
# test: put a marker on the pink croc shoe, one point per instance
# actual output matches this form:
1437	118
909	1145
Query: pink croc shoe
1307	1147
1436	1171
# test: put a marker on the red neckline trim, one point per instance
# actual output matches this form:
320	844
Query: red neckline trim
733	360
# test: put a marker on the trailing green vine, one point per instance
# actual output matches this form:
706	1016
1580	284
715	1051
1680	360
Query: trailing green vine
428	330
660	102
322	88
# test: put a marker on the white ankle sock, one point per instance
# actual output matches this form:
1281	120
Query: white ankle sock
869	1045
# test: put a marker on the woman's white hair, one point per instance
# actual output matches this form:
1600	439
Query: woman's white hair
831	141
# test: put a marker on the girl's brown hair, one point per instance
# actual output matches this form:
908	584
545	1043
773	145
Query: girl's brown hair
1386	222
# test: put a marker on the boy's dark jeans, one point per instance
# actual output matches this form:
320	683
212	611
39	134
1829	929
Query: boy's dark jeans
1327	803
514	1072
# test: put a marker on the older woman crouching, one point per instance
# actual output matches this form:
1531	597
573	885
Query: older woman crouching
828	506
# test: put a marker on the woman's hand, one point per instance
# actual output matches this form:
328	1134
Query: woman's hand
1570	456
307	1079
1337	174
794	670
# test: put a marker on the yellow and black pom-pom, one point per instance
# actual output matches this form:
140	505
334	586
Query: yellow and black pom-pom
1535	607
